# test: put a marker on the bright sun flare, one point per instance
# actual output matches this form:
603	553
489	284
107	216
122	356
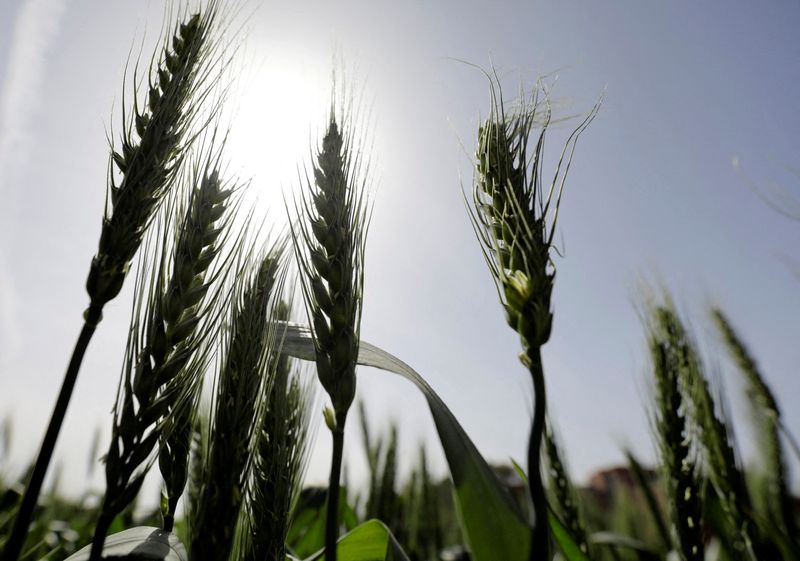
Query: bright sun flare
280	110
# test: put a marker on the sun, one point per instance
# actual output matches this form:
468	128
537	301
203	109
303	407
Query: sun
278	110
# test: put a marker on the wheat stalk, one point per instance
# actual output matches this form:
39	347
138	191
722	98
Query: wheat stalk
515	221
249	342
280	456
712	434
152	144
329	245
564	499
767	417
167	352
679	469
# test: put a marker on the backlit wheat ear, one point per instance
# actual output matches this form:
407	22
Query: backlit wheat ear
332	231
767	418
152	144
168	352
329	245
248	343
186	305
280	454
679	469
153	141
515	221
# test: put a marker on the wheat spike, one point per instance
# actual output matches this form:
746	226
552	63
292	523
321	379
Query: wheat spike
329	245
767	416
712	434
152	145
241	380
564	499
679	469
280	456
167	352
515	222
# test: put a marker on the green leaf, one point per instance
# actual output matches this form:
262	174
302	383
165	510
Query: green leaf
143	542
570	549
307	532
372	541
494	527
616	540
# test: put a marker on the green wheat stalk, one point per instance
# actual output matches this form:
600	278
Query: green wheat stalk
667	353
167	352
563	497
140	172
329	246
767	416
280	456
249	342
515	219
712	434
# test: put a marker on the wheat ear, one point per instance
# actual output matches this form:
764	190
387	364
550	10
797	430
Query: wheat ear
280	456
679	469
515	221
329	245
242	378
767	417
146	163
167	354
564	498
712	434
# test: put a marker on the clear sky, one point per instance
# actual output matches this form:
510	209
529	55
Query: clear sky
652	195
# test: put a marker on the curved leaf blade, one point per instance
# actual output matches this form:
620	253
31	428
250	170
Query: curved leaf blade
371	541
142	542
494	527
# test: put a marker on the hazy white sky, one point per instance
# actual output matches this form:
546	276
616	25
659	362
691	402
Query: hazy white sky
652	194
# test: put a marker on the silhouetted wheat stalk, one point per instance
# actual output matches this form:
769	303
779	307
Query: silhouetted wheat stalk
329	245
152	144
168	351
280	454
246	360
515	221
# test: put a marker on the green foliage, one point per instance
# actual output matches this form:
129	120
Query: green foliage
371	541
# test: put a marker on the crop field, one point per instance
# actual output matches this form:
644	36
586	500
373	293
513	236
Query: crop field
244	336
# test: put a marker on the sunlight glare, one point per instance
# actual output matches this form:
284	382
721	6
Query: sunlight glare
281	106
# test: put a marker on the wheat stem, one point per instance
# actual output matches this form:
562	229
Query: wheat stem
540	544
332	514
16	539
147	165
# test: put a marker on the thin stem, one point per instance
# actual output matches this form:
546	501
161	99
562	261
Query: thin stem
332	519
99	538
539	534
169	517
20	531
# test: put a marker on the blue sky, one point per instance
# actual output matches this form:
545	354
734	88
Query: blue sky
652	198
